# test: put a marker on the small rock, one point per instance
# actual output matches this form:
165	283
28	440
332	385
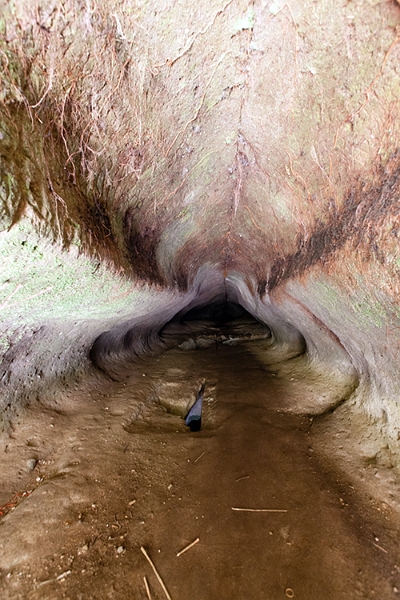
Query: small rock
31	463
83	550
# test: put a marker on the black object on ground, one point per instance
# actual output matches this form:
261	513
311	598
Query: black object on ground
193	418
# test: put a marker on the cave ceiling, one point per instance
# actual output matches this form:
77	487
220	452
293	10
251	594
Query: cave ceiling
175	136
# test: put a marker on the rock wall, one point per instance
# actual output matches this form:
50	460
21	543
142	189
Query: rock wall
175	151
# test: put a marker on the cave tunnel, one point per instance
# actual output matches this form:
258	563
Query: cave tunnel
199	296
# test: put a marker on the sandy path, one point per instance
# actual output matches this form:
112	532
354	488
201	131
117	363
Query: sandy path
107	482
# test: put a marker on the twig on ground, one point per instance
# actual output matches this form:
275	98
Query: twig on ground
244	477
156	573
199	457
63	575
146	585
269	510
189	546
380	548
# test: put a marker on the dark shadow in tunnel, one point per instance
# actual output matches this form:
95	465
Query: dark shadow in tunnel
223	312
219	312
218	321
215	311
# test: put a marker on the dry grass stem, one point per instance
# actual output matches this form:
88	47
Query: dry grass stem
244	477
146	585
188	547
156	573
199	457
269	510
380	548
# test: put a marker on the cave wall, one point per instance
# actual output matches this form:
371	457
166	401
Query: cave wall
171	148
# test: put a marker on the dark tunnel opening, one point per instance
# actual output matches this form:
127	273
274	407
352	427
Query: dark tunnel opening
217	321
218	312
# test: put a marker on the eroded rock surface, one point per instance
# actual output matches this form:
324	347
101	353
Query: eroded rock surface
178	178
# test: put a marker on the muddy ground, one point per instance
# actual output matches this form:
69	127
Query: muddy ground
279	504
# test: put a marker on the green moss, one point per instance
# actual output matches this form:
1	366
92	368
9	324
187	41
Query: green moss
41	281
231	138
275	7
246	21
185	214
363	309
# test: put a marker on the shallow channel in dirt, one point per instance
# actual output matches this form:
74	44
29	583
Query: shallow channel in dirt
271	510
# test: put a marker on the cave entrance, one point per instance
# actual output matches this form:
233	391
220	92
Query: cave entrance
220	353
190	381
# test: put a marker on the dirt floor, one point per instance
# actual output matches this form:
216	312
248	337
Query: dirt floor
277	505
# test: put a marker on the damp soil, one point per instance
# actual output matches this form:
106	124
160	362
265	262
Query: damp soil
274	509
